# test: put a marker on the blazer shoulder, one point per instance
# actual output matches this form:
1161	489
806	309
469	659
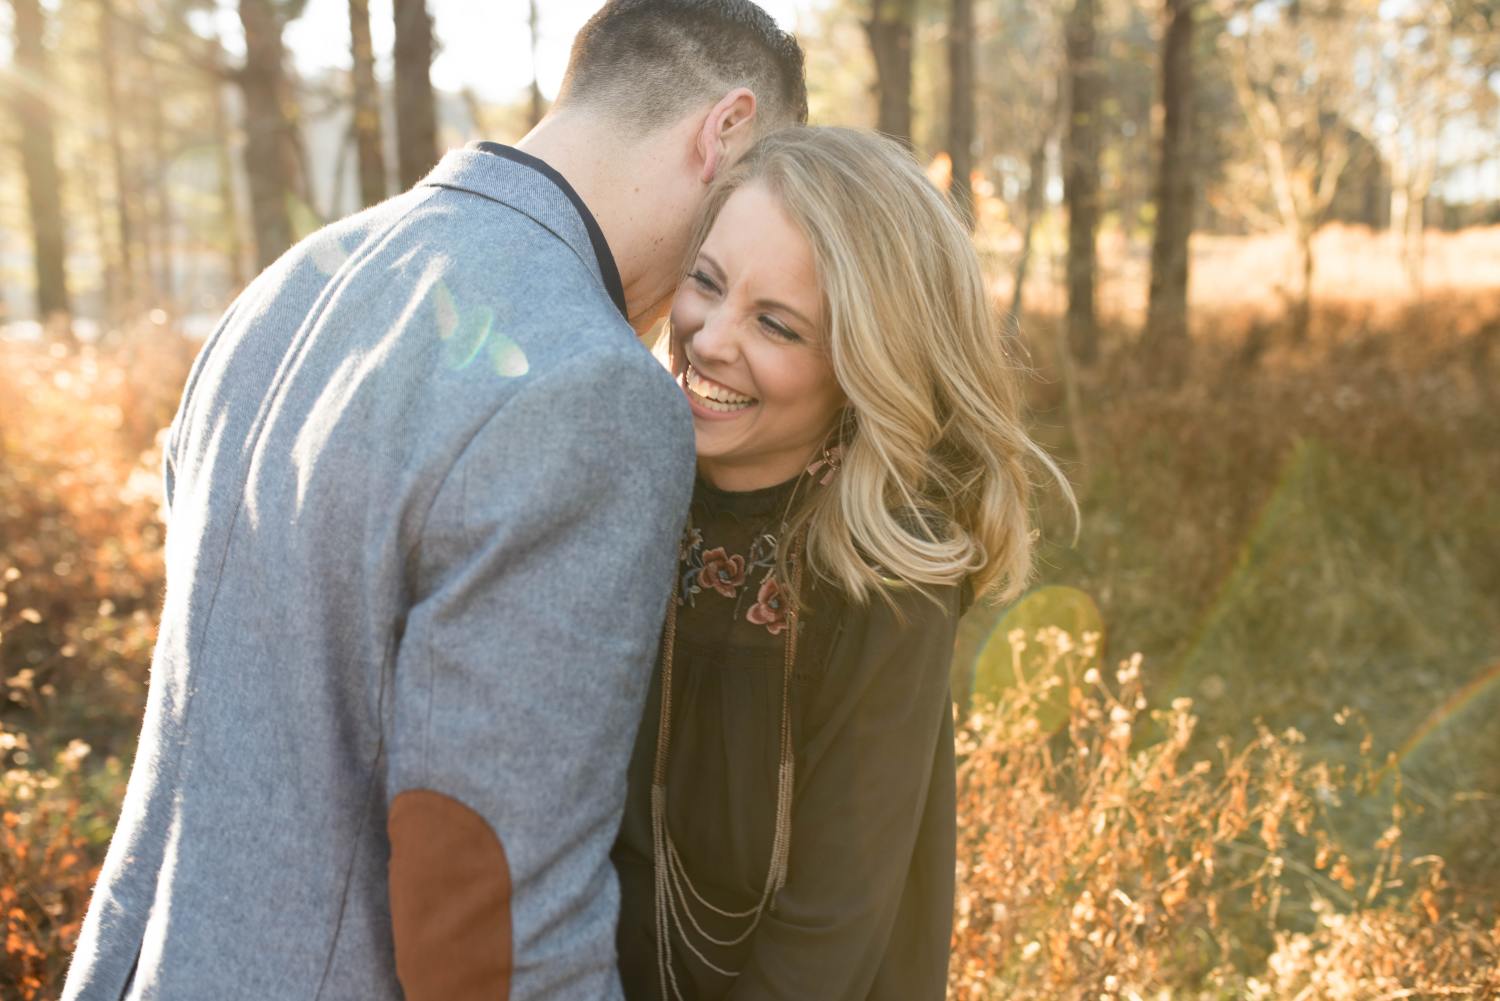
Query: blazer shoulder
618	377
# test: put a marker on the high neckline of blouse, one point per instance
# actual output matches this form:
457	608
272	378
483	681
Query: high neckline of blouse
745	503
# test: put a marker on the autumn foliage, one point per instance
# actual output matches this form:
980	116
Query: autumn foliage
80	586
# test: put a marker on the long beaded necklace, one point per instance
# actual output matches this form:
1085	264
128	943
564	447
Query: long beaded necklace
673	885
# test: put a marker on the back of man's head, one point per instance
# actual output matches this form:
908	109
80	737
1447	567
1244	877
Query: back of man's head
649	62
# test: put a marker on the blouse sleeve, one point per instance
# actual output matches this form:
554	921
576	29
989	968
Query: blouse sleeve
862	787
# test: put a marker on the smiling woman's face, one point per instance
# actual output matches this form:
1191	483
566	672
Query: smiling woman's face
749	345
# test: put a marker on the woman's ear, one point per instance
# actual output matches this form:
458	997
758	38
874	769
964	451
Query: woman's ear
727	132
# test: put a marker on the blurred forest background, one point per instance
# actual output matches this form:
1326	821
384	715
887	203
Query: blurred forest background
1238	741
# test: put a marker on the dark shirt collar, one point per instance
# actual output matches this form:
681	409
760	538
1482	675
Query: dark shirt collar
608	270
759	503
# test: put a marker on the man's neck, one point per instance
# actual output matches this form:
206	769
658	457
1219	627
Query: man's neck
615	181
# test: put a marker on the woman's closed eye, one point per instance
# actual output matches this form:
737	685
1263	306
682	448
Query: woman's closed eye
779	329
704	282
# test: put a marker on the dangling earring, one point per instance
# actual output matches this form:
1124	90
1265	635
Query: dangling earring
830	461
833	455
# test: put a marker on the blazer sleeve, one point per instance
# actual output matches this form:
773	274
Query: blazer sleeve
862	793
542	577
175	430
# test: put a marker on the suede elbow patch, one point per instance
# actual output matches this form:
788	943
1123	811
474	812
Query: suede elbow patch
450	900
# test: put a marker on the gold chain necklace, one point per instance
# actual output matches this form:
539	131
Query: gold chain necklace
673	885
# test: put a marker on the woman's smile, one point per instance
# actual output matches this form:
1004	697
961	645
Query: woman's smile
717	399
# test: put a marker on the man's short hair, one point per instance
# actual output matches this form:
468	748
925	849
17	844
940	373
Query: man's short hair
651	61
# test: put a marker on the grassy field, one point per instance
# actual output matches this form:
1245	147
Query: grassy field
1319	532
1290	792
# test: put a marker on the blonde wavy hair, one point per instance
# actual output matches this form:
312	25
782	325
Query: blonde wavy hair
933	485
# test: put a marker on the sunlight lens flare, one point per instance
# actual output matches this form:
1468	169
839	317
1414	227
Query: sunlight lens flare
1012	658
468	332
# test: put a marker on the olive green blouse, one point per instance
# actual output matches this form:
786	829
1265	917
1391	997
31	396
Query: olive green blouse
866	911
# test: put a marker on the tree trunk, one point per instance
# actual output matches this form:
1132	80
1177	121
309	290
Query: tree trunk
537	110
39	161
119	165
416	107
1302	305
229	216
1036	194
88	182
367	133
1167	342
889	30
1419	189
1400	194
270	156
961	108
164	280
1081	179
1414	246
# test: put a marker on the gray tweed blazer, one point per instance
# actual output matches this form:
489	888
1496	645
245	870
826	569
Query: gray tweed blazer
425	492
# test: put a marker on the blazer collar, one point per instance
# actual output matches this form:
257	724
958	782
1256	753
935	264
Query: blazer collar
510	177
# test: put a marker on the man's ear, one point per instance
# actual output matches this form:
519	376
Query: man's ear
727	131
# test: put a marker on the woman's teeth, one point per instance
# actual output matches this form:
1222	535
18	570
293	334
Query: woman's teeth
713	395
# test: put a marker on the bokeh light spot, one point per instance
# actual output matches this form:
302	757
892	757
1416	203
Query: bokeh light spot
447	311
468	337
1013	655
508	358
467	332
328	255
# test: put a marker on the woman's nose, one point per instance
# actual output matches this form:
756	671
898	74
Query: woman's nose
716	339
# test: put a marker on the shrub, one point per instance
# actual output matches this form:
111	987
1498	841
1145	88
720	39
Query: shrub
1105	862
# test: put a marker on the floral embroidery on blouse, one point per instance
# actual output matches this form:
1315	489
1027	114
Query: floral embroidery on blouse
722	572
769	609
727	573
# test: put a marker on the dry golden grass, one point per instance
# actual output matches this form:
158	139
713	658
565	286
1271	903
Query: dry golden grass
1109	862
